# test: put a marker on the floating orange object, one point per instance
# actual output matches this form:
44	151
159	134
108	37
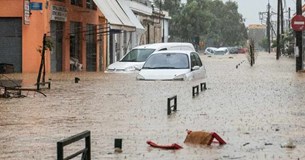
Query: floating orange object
202	137
171	146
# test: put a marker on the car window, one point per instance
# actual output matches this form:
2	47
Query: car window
195	60
167	61
137	55
220	52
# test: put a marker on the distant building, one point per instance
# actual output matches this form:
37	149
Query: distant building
257	32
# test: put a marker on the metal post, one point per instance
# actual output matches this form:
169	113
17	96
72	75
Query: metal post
60	151
175	103
278	36
88	146
42	60
299	58
268	28
289	10
168	106
282	27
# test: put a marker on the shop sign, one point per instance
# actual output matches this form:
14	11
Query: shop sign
26	12
58	13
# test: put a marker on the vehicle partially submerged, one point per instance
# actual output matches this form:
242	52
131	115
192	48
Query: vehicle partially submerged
222	51
173	65
135	59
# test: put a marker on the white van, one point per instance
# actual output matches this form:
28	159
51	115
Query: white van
138	55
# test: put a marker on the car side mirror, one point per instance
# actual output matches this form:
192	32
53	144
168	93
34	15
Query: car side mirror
195	68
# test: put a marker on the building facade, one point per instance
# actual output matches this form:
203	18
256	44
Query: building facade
85	35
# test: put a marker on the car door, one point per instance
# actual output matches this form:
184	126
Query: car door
199	73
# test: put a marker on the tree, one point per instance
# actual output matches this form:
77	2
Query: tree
213	21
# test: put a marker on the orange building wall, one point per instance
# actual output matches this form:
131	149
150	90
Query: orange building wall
11	8
32	34
32	38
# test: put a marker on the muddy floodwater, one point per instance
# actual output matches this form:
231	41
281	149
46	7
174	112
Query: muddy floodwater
256	110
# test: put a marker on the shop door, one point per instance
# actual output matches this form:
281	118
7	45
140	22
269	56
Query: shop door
56	54
11	42
91	47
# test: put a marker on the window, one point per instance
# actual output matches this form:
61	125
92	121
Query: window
91	47
75	41
195	60
90	4
76	2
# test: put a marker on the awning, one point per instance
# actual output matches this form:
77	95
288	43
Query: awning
115	15
131	15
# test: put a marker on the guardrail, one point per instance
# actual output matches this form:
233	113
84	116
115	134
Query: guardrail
169	106
86	152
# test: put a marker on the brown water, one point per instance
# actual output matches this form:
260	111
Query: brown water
248	107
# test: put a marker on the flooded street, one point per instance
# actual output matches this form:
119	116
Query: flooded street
256	110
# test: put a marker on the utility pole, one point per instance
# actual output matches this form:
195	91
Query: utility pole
299	58
268	27
278	36
282	28
289	17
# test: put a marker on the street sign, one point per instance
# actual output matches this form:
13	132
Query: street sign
298	23
36	6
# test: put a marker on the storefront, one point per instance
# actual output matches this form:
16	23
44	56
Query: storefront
11	42
71	29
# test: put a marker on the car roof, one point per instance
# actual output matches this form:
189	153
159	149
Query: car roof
222	49
162	45
211	48
174	51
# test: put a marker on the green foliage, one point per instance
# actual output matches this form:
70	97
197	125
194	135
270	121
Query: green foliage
287	43
217	23
48	45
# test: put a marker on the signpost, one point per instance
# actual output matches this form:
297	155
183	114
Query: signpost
298	23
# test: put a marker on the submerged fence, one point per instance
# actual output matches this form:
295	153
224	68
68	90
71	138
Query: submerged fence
86	152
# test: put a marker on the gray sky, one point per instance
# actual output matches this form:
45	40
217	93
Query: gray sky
250	9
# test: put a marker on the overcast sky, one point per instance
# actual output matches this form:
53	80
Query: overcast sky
250	9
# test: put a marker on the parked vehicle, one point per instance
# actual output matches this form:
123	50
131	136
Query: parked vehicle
138	55
233	50
173	65
210	50
222	51
242	50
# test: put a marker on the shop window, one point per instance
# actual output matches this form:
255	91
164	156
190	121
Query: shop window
77	2
75	44
90	4
91	47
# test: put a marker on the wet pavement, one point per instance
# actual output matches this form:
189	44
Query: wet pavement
256	110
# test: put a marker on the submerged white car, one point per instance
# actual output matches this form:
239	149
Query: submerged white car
222	51
173	65
137	56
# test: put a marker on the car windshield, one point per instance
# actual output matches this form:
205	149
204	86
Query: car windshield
220	52
137	55
167	61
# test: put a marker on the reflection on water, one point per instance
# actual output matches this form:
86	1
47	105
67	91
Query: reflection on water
249	105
